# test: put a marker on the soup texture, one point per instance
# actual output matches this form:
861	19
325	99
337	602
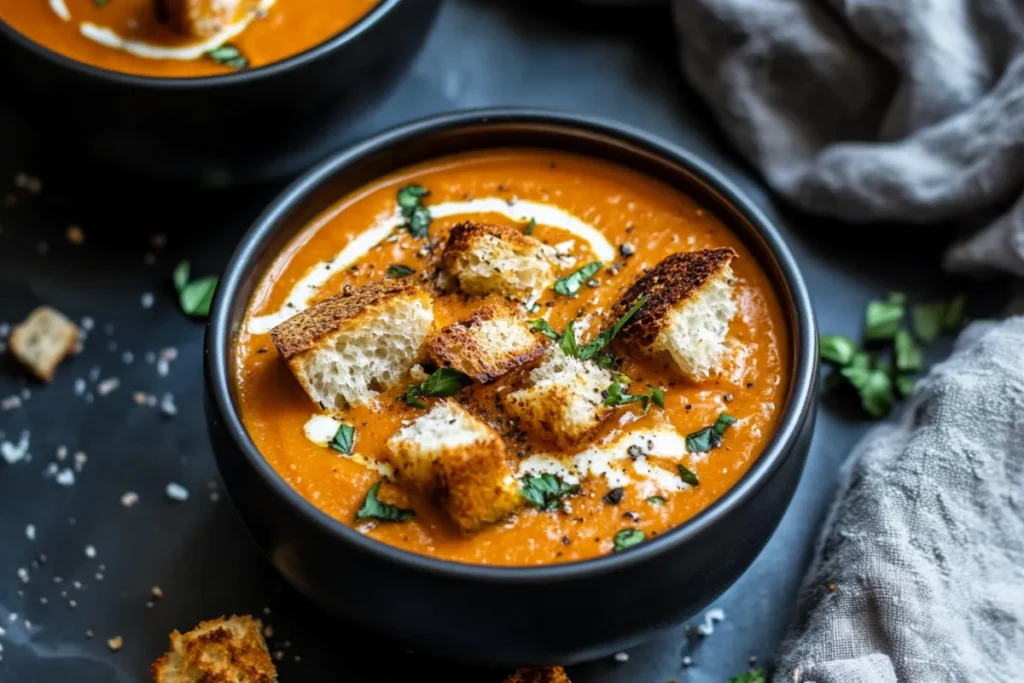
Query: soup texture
129	36
638	475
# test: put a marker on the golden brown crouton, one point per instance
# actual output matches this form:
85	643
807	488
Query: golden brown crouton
43	341
345	349
563	400
217	651
197	18
460	462
491	342
688	310
547	674
484	259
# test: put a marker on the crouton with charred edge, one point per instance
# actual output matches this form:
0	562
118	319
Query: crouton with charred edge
43	340
218	650
197	18
490	259
547	674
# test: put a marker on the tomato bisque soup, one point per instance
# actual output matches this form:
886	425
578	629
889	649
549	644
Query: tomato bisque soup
641	473
181	38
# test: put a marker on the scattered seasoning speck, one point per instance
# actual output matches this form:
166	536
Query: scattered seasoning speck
65	477
90	551
72	604
129	498
268	631
621	657
23	574
88	633
108	385
167	406
30	532
176	492
627	249
833	587
157	592
115	643
75	234
147	300
687	661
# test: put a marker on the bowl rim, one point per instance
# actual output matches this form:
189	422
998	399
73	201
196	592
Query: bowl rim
798	407
350	33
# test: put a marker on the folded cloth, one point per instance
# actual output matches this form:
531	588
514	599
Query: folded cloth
919	575
909	111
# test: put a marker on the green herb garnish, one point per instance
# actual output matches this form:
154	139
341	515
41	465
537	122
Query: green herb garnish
953	317
228	55
397	271
528	230
567	342
627	538
688	476
837	348
616	397
874	385
926	319
605	337
546	491
410	206
374	509
544	327
441	383
905	385
571	283
656	500
344	439
709	437
907	352
883	318
194	296
752	676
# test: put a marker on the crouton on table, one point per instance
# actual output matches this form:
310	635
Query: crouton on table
547	674
344	350
490	343
484	259
230	650
563	399
43	340
688	311
197	18
459	461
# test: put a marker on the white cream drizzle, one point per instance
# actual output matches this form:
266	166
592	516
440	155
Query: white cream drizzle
140	48
299	297
320	429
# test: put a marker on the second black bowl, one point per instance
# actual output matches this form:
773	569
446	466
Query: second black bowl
556	614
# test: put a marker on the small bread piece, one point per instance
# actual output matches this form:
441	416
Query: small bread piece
459	461
229	650
344	350
688	310
492	341
490	259
563	400
197	18
547	674
43	341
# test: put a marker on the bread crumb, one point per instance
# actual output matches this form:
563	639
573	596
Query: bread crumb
75	235
115	643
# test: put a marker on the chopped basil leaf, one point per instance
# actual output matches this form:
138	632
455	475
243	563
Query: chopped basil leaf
544	327
228	55
627	538
616	397
441	383
410	206
953	317
195	297
883	318
874	386
374	509
657	396
398	271
614	496
656	500
605	337
181	274
926	319
905	384
567	342
528	230
546	491
607	361
837	348
908	353
571	283
709	437
344	439
752	676
688	476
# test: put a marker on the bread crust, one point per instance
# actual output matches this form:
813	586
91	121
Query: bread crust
222	650
547	674
197	18
675	280
44	326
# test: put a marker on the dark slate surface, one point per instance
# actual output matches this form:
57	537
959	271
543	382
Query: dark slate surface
601	62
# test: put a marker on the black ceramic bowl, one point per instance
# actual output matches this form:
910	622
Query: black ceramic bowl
241	127
500	615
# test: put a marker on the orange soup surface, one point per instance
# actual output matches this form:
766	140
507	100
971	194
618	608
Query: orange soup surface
642	221
126	36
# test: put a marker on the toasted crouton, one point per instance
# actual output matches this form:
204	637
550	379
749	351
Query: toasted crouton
217	650
688	310
485	259
491	342
344	350
548	674
563	400
197	18
43	340
459	461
